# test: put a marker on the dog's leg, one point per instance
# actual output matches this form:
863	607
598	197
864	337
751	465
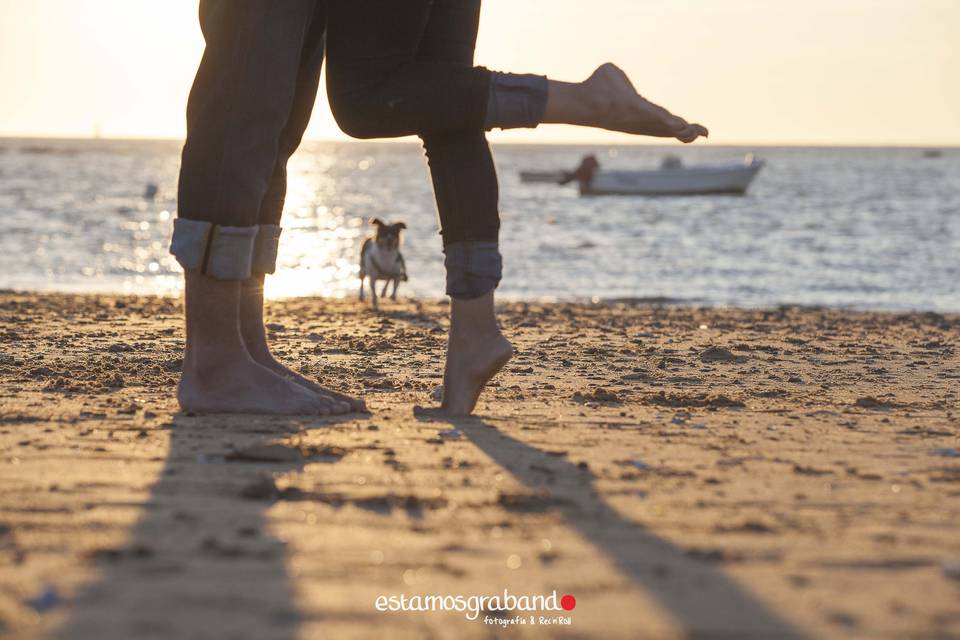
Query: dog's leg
383	292
396	283
362	278
373	292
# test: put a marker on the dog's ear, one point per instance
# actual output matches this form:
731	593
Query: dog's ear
400	225
377	222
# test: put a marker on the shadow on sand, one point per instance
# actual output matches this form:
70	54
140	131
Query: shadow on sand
701	599
201	562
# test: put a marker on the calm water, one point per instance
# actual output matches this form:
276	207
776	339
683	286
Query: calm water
866	228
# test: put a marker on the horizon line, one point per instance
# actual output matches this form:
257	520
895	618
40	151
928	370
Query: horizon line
546	142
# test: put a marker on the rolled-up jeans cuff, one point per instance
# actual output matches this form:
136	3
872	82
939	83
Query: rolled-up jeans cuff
225	253
516	100
265	249
473	268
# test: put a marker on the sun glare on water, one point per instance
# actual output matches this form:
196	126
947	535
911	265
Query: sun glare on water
318	247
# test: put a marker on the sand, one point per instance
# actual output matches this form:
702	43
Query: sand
680	472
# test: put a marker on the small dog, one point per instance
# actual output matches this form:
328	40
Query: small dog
380	259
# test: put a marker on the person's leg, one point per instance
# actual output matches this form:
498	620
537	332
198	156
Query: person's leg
398	93
399	68
219	376
271	210
255	339
380	86
406	68
465	185
237	107
608	100
304	97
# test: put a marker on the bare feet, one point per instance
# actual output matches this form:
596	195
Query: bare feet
476	351
608	100
255	339
472	362
340	402
220	372
234	383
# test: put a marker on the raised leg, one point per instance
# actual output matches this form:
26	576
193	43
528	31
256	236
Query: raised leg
383	78
406	68
396	283
608	100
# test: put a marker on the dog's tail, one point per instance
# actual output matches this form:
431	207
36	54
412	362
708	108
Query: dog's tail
363	253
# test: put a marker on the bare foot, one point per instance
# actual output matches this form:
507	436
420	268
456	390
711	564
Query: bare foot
237	384
471	362
255	340
342	403
608	100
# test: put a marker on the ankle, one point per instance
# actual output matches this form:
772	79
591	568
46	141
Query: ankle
205	360
474	318
255	340
564	102
461	335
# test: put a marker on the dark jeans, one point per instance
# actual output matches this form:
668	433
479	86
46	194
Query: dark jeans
395	68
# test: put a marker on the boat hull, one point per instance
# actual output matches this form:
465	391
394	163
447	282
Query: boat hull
551	177
732	179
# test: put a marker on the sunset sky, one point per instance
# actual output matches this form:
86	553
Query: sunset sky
754	71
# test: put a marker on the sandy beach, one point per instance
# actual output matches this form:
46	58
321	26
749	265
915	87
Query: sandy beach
681	472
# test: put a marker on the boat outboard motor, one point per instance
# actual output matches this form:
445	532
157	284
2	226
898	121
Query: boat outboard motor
584	173
671	162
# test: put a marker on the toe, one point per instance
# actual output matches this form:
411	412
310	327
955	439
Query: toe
323	410
690	133
329	404
335	405
353	404
670	125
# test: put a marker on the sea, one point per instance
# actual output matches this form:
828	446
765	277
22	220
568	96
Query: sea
858	228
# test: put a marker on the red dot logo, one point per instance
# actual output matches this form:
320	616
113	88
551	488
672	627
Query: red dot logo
568	602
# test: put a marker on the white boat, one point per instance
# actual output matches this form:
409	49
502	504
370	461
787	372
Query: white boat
673	179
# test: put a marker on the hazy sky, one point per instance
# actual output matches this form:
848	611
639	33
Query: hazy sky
754	71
